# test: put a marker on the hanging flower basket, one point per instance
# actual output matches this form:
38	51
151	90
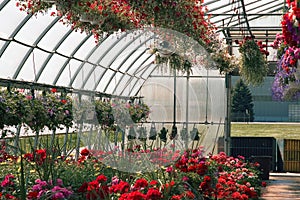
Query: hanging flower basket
253	63
288	52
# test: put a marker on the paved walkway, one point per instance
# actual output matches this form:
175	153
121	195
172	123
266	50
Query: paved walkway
282	186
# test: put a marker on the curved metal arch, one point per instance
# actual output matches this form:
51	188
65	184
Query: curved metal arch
98	62
113	59
51	54
69	59
138	57
3	4
40	37
127	57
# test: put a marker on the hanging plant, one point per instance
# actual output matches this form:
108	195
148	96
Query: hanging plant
286	82
108	16
104	113
173	60
253	63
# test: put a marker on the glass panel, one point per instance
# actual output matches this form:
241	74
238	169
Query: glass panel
33	28
15	16
71	42
136	88
68	73
135	46
117	49
32	65
103	47
94	77
122	84
51	69
113	83
85	48
158	94
129	87
133	69
146	72
130	61
53	36
105	80
82	75
11	59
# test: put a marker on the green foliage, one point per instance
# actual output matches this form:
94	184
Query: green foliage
253	64
242	103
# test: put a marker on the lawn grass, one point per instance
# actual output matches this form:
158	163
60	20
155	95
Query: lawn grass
276	130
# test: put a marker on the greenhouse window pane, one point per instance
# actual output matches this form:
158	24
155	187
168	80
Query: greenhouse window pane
52	68
102	48
32	65
71	42
133	58
113	83
135	67
15	16
82	76
122	84
136	88
148	70
53	36
11	59
68	72
105	80
129	86
122	45
85	48
33	28
93	78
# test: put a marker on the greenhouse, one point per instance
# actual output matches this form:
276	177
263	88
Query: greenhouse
126	99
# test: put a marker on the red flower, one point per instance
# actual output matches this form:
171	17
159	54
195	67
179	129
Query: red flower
263	184
9	196
153	194
29	157
53	90
101	178
64	101
32	195
121	187
207	179
176	197
141	183
83	187
40	156
135	195
153	182
85	152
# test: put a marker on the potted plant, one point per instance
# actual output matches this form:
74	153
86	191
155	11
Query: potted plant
253	63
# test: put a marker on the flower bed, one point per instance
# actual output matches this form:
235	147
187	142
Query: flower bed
44	174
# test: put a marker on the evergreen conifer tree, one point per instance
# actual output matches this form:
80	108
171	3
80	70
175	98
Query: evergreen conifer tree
242	103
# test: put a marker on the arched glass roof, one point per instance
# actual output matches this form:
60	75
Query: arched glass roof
41	49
